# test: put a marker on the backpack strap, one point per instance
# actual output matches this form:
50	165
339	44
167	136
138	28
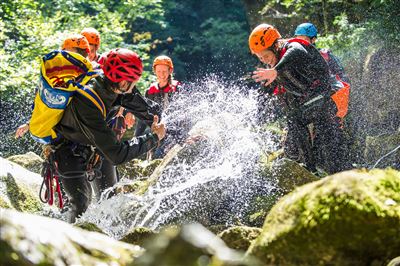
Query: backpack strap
91	95
298	40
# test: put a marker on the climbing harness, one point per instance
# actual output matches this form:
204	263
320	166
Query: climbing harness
94	166
51	182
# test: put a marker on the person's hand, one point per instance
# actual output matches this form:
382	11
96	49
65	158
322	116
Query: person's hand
21	130
262	74
195	138
130	120
158	128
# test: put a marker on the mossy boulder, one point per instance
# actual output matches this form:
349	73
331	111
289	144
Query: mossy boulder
91	227
129	186
137	169
191	245
350	218
394	262
138	235
286	175
29	160
27	239
19	188
240	237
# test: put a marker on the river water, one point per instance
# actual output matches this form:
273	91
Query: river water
212	181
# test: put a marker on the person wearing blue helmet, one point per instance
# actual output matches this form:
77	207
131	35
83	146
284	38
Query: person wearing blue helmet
339	81
307	31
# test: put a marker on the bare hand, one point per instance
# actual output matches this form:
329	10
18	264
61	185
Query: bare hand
262	74
21	130
158	128
193	139
130	120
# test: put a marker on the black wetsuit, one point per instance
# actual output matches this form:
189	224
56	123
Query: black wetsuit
303	85
83	128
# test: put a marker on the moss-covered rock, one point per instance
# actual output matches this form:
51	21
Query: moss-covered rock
351	218
20	196
27	239
89	227
137	169
29	160
4	204
240	237
394	262
19	187
138	235
286	175
192	245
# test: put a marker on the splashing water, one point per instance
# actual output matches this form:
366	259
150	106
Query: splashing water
212	181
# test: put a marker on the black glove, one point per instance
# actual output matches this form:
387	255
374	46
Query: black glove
141	107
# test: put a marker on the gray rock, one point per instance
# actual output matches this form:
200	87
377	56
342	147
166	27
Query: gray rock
27	239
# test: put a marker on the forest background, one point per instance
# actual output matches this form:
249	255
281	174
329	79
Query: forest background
203	37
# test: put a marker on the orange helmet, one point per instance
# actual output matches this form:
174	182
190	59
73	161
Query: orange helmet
263	37
163	60
92	35
76	41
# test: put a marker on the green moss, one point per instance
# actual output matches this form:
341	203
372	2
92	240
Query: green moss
4	204
351	217
138	235
240	237
89	227
138	168
21	198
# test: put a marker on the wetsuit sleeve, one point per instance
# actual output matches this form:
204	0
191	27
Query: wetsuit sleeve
295	54
94	127
141	107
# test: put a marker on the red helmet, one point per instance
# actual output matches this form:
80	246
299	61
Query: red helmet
122	64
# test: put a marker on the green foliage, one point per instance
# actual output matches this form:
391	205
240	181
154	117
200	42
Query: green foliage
30	29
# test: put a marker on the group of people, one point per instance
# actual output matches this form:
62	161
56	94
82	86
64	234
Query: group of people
87	143
312	90
85	146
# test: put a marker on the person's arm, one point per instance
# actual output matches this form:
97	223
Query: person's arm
141	107
294	55
94	127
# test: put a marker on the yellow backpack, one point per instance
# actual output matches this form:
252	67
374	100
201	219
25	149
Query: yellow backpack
62	74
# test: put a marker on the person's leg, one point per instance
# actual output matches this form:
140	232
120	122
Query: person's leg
297	145
330	142
108	178
79	193
72	162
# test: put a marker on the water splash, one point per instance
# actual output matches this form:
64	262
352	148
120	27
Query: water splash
211	182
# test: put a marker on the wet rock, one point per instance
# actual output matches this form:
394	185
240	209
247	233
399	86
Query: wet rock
137	169
350	218
29	160
287	175
19	187
394	262
240	237
191	245
138	236
89	227
125	187
4	204
27	239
